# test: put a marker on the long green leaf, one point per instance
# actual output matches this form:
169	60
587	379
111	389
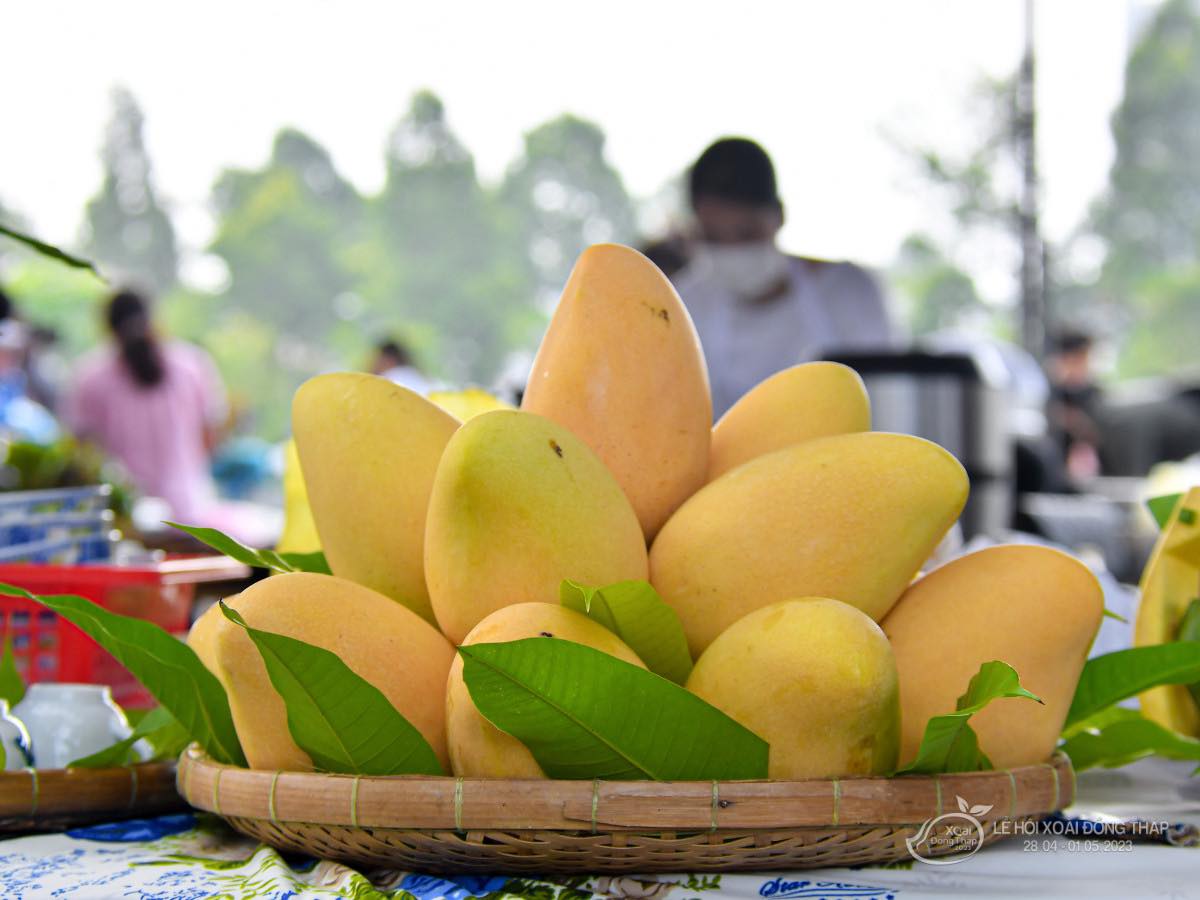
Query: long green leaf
1122	674
949	743
307	562
344	723
167	667
259	559
52	252
1189	630
12	688
1117	736
634	612
585	714
158	727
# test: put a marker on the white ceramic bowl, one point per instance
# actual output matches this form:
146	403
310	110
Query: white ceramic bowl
69	721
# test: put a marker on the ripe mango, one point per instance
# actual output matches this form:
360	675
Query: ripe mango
478	749
368	449
467	403
382	641
1035	608
299	530
807	401
850	517
518	504
621	367
1168	585
815	679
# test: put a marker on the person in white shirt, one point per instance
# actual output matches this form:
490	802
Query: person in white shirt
757	309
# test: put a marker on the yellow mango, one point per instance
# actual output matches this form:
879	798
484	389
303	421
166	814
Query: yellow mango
518	504
815	679
621	367
1168	585
808	401
851	517
467	403
1035	608
299	530
478	749
384	642
369	449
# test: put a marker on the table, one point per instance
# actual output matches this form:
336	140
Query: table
186	857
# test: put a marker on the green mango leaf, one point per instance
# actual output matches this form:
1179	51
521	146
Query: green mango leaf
585	714
52	252
344	723
1189	630
259	559
12	687
950	743
307	562
1109	614
167	667
1162	507
634	612
1117	736
1122	674
158	727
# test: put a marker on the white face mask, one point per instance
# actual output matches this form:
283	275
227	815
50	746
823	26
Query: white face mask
745	270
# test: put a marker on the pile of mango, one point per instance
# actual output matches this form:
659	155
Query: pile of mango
788	539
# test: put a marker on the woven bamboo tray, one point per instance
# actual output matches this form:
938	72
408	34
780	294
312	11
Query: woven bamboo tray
498	826
53	799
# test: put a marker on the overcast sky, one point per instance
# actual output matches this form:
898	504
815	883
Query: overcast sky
821	84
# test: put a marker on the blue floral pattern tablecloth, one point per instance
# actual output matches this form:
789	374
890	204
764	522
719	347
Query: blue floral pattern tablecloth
188	857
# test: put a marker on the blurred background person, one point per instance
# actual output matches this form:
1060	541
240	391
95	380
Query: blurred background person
22	417
395	362
157	407
1075	410
757	309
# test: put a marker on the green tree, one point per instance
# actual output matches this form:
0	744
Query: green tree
1150	215
565	195
937	293
440	268
126	228
283	231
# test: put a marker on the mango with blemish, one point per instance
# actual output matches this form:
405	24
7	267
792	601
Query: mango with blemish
519	504
621	367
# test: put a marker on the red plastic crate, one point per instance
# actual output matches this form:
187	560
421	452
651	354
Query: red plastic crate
49	648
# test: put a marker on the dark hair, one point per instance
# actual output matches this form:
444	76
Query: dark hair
6	307
129	318
734	169
1070	340
393	348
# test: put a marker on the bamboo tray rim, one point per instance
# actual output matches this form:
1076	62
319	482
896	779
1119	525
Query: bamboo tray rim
29	796
448	803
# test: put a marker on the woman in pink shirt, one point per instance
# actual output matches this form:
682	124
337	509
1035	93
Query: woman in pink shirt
155	406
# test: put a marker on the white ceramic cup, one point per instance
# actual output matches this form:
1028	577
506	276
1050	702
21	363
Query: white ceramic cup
69	721
14	738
